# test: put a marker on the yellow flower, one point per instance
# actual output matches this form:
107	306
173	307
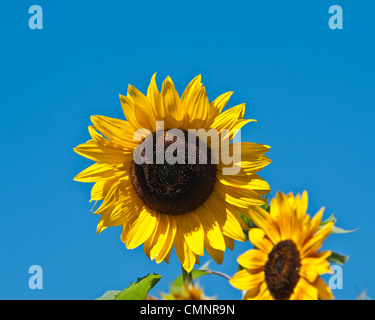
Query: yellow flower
286	264
187	292
190	207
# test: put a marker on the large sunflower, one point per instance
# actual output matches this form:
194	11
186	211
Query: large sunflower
193	207
286	264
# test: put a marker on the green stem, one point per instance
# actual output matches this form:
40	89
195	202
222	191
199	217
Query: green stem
219	274
187	277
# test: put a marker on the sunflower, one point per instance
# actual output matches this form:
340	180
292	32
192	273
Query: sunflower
190	207
285	264
187	292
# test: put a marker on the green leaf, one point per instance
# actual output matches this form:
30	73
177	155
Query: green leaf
177	285
139	290
109	295
337	258
195	273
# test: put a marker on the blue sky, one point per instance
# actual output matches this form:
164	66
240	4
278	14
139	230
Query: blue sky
310	88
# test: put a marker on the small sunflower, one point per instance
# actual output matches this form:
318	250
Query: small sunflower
187	292
189	206
285	264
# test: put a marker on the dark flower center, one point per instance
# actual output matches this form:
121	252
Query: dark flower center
282	270
177	188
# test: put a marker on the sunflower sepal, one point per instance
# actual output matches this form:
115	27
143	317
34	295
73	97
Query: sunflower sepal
337	258
266	206
248	222
335	230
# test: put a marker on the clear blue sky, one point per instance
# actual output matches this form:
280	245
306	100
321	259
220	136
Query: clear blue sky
311	89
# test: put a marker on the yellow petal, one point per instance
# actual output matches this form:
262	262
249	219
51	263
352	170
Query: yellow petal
324	292
166	259
285	218
317	240
193	232
253	163
117	216
252	293
240	197
143	109
191	90
247	181
127	105
258	238
305	291
217	255
161	235
183	251
216	107
229	243
118	131
253	259
252	157
250	148
302	206
102	154
171	102
228	119
95	172
110	200
264	293
101	188
211	228
166	249
263	220
257	293
97	191
220	102
126	226
147	245
198	109
141	229
154	97
308	273
315	265
315	222
232	227
245	280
